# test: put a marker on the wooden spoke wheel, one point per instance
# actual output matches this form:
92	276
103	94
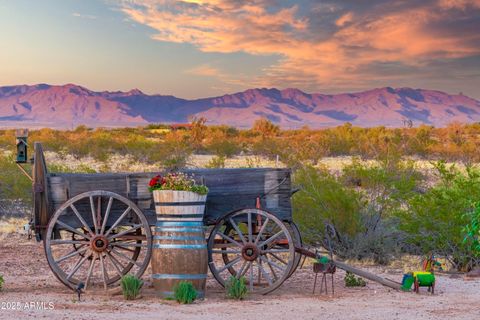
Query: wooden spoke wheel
97	237
254	244
297	240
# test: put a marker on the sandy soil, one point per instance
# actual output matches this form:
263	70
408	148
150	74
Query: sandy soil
28	278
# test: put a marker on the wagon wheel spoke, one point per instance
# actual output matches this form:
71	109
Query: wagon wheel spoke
261	230
273	264
107	213
226	252
239	232
250	282
115	264
118	221
265	273
90	270
271	239
104	272
77	266
94	214
58	242
79	217
250	232
270	267
240	272
278	258
232	263
134	228
224	236
125	257
66	226
128	245
71	254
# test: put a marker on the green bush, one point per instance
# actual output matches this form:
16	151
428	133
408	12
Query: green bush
472	231
435	221
324	199
184	292
131	286
2	281
236	288
352	281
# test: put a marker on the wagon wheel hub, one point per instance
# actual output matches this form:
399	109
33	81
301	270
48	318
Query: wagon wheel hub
250	252
99	243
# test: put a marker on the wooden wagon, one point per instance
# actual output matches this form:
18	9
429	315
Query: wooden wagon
98	227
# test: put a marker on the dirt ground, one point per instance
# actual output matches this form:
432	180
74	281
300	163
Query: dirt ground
29	279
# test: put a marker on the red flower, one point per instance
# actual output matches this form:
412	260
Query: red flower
155	180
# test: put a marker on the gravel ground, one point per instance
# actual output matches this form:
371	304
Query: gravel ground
29	279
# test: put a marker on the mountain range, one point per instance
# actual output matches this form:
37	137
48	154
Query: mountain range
67	106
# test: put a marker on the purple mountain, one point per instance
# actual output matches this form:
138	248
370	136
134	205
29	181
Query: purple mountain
71	105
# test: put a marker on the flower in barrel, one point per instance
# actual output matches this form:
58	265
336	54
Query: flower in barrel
176	181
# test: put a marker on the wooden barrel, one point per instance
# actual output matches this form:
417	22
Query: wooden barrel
179	246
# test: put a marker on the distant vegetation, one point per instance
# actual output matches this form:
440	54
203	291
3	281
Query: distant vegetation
373	209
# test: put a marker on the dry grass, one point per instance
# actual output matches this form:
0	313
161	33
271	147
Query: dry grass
12	225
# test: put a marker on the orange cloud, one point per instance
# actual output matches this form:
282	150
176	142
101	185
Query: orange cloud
404	35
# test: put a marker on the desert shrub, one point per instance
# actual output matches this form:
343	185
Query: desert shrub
472	231
184	292
435	221
131	286
173	153
324	199
2	281
352	281
236	288
359	207
216	162
265	128
15	187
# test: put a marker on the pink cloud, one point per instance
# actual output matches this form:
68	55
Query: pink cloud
403	36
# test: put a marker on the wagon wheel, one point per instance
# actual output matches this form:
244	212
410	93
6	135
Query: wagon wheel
97	237
258	246
297	240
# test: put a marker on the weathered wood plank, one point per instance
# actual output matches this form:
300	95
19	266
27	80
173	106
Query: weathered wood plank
230	189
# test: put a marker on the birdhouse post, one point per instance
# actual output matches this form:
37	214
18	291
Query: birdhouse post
22	146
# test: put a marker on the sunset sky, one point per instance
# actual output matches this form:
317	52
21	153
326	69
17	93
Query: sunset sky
200	48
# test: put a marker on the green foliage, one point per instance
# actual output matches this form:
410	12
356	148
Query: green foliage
184	292
324	199
236	288
131	286
435	221
359	205
2	281
14	184
352	281
472	230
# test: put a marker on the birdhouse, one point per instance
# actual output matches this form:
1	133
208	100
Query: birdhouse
22	146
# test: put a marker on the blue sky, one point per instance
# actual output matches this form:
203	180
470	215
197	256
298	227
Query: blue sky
199	48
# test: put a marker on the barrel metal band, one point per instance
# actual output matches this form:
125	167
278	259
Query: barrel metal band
179	224
179	276
180	215
179	246
188	230
177	204
177	238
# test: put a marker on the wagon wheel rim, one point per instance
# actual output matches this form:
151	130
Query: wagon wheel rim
297	240
96	238
263	252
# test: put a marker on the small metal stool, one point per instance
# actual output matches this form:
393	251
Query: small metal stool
324	269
